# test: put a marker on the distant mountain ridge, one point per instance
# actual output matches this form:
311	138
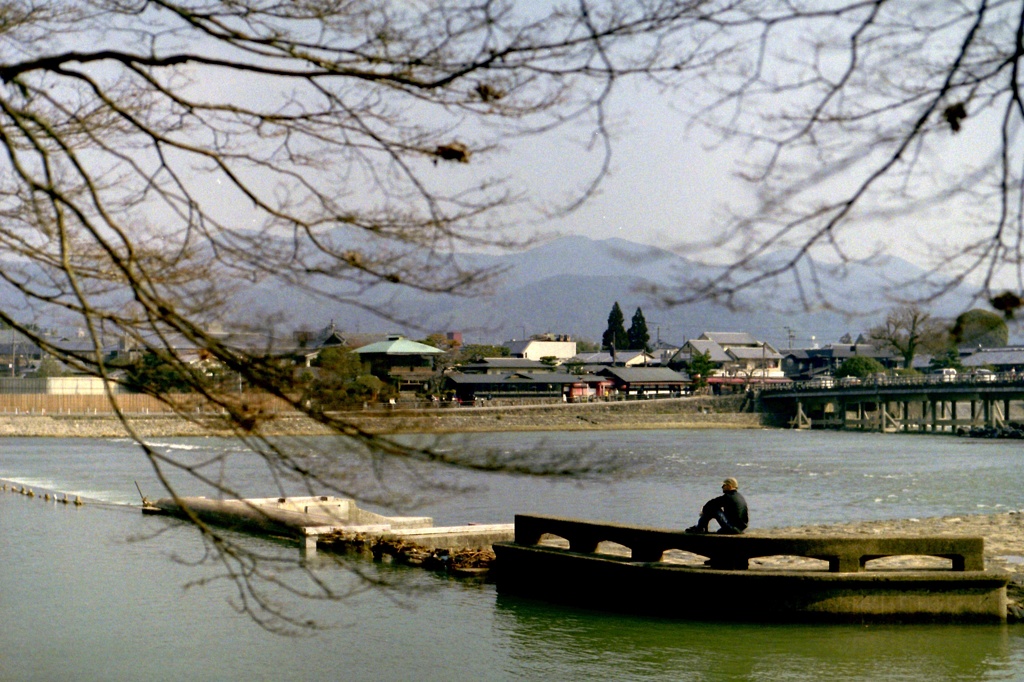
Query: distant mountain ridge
568	286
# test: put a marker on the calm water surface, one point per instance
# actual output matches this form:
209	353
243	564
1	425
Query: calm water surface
98	592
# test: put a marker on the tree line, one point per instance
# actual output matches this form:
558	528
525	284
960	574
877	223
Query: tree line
909	331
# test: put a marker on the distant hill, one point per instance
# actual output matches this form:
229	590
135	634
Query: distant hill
568	286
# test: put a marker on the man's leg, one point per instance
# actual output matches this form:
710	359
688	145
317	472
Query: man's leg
702	524
725	528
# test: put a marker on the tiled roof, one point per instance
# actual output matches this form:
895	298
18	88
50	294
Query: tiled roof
731	338
1010	355
621	357
591	358
504	363
633	375
744	353
521	378
706	346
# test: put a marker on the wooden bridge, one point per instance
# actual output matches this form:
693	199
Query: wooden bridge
927	403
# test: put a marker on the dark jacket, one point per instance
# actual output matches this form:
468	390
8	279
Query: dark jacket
734	507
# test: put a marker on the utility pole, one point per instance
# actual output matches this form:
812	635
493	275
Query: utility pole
764	363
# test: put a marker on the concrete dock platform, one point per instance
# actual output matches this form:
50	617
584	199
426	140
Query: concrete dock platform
655	588
310	519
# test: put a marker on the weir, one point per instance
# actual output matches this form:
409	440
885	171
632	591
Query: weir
310	519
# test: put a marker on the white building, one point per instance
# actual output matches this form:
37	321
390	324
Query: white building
556	346
739	356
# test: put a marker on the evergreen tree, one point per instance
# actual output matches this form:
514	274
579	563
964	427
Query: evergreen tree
859	366
980	328
950	358
615	334
638	337
700	368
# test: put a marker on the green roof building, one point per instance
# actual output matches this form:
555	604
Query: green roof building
407	364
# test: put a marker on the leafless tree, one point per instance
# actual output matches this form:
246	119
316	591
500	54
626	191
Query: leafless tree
908	330
854	113
160	156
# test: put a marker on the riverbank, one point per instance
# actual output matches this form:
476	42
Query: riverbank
678	413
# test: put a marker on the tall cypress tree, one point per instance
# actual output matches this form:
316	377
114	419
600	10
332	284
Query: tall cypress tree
615	334
638	337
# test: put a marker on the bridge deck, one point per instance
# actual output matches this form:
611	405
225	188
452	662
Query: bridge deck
921	403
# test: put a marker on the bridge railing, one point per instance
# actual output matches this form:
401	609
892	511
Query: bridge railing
969	379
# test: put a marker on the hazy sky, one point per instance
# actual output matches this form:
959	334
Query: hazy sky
669	185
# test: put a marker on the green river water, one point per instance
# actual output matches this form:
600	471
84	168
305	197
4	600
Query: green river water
99	592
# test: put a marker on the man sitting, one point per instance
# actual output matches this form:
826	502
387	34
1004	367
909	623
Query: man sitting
729	509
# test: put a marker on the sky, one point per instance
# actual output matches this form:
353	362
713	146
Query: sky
670	185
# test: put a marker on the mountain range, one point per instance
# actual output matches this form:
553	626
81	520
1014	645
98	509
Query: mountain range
569	285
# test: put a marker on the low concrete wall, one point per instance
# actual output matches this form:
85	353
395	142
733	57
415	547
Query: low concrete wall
644	583
844	553
694	413
301	516
763	595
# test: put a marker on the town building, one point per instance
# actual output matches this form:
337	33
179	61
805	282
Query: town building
557	346
662	352
647	382
1005	359
505	366
409	365
739	360
804	364
543	386
622	358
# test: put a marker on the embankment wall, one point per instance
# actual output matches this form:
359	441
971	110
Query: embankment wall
693	412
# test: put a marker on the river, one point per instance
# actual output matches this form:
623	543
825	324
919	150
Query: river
99	592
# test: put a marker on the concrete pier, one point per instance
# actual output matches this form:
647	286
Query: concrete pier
308	519
616	583
575	570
